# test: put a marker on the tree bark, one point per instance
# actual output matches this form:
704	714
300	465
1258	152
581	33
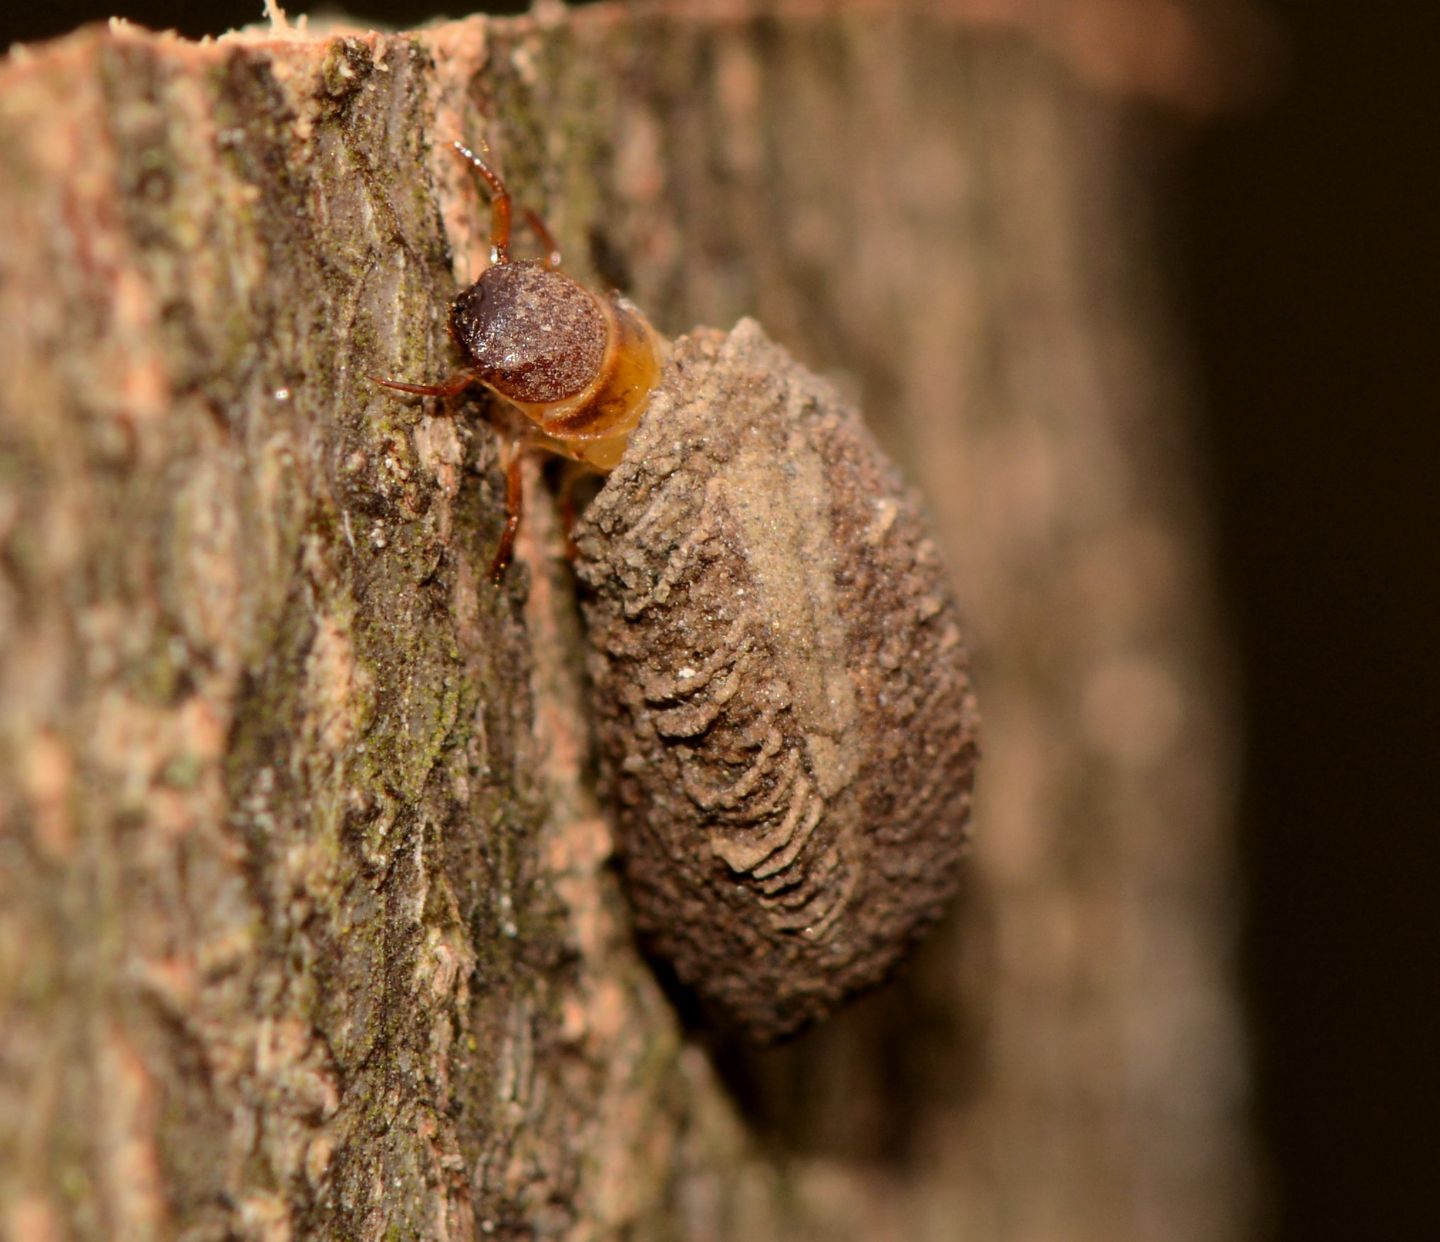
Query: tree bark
308	925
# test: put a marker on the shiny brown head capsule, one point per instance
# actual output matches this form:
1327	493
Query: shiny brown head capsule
578	365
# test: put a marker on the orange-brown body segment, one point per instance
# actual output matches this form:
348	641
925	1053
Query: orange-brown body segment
577	365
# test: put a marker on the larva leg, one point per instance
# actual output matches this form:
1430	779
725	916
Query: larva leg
514	506
572	475
545	237
499	202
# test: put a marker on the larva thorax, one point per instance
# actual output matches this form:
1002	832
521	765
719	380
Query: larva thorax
580	366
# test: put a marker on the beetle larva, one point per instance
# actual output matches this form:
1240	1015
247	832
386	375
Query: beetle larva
782	703
781	694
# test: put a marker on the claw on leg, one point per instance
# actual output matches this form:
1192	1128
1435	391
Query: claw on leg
445	388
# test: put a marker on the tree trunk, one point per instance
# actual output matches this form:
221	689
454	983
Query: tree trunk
308	924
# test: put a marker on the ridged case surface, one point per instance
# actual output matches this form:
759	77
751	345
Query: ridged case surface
782	702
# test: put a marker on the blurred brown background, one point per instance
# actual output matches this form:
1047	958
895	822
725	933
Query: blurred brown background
1305	252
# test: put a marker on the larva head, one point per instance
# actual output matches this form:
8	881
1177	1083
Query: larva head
532	334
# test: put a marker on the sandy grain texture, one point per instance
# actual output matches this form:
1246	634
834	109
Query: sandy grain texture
782	699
